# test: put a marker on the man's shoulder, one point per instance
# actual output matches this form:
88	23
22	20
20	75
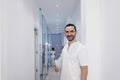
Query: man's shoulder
81	45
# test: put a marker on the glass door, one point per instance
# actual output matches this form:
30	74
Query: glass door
44	47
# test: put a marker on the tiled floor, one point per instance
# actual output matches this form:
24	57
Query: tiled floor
52	75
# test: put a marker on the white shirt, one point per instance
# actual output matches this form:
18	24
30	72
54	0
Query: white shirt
52	54
71	60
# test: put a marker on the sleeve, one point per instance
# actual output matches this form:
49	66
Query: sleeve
83	57
58	62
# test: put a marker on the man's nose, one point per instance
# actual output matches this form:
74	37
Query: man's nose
69	33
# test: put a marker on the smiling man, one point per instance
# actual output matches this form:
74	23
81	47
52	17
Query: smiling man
73	62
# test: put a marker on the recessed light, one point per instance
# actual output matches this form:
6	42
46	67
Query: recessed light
57	5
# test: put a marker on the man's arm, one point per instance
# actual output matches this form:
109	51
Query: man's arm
84	72
58	64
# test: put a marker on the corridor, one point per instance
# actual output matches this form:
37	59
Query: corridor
52	75
28	30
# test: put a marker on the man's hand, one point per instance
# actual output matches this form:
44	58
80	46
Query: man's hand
56	68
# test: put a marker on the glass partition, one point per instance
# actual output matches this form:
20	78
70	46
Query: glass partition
44	47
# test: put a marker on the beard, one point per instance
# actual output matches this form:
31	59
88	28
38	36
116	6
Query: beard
71	37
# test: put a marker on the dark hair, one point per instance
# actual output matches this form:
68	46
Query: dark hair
53	48
71	25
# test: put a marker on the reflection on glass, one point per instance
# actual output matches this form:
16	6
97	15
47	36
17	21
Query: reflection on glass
45	48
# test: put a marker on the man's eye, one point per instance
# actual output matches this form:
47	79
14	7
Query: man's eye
71	31
67	31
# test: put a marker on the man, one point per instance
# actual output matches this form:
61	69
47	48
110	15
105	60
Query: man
73	62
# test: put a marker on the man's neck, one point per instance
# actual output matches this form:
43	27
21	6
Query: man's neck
70	42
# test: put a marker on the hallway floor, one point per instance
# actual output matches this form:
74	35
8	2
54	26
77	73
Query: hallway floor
52	75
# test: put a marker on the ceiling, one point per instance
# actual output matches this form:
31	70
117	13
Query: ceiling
56	13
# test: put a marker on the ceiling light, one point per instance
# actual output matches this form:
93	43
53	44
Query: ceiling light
57	5
57	30
58	27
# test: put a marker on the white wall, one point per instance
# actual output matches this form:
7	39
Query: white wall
3	41
102	21
19	18
91	36
110	20
0	34
83	21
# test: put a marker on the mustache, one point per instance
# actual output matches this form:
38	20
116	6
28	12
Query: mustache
70	36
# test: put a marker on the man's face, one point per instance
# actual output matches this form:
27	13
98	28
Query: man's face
70	33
